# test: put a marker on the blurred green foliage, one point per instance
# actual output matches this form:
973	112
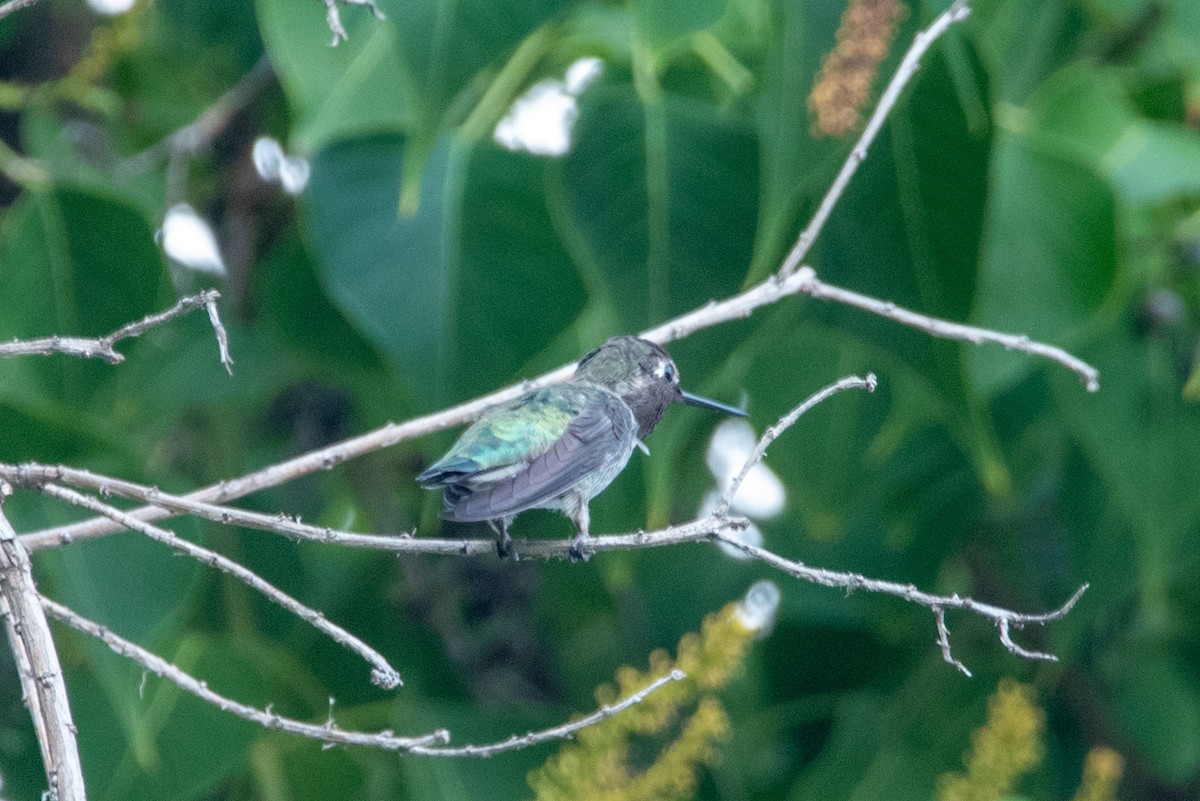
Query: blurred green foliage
1040	175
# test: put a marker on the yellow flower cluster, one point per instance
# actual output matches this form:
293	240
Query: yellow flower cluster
1102	771
1010	745
654	750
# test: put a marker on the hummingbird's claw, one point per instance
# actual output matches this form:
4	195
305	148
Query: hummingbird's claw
504	546
579	551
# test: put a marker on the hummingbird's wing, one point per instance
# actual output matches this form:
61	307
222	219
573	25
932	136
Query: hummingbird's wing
530	452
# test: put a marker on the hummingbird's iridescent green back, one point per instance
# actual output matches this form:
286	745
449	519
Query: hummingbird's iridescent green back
567	438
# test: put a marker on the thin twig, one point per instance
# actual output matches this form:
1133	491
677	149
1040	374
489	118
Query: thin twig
333	17
326	732
14	5
38	668
103	347
957	12
786	422
382	673
563	732
944	329
329	732
1003	618
197	135
943	641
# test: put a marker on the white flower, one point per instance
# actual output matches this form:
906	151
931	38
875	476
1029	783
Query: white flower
759	607
761	494
110	7
275	166
188	239
540	121
581	74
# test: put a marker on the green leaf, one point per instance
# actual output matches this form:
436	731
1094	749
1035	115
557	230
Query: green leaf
1049	258
661	202
183	747
1158	706
1143	441
361	85
661	22
75	263
420	71
1084	114
463	292
795	167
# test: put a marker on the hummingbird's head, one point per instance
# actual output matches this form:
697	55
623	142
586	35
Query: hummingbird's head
644	376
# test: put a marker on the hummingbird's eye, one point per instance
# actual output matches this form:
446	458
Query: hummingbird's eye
669	371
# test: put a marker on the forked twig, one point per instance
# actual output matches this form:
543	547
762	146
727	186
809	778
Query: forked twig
327	732
1003	618
382	673
103	347
432	744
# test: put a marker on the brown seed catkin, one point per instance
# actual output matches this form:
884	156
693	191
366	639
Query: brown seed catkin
844	84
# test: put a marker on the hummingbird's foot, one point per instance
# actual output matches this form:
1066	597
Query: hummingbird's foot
504	546
505	550
580	552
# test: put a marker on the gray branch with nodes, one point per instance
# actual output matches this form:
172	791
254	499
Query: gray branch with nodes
25	610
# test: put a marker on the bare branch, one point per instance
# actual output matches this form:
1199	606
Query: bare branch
563	732
37	476
38	668
957	12
326	732
382	673
944	329
786	422
715	528
804	281
1003	618
103	348
333	17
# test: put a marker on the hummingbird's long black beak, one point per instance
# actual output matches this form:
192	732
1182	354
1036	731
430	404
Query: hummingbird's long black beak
705	403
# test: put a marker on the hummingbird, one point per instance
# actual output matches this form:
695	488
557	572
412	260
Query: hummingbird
559	446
